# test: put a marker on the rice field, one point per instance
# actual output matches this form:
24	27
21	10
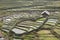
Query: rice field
30	12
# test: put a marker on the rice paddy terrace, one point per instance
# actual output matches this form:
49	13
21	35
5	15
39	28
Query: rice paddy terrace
22	20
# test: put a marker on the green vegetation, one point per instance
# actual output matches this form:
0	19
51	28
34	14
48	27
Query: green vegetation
41	19
31	9
1	23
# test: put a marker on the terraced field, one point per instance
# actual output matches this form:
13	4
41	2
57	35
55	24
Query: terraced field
47	35
25	17
48	32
